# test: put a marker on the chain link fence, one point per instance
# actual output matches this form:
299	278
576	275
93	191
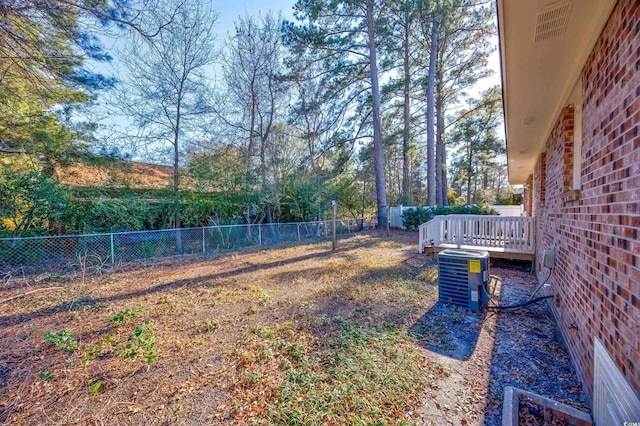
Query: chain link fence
63	253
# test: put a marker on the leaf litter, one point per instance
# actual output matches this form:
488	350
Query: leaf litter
291	334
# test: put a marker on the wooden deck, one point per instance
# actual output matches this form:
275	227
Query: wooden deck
494	252
504	237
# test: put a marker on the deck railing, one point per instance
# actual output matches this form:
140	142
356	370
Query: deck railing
507	232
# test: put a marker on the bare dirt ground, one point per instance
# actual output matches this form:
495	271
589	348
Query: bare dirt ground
291	335
485	352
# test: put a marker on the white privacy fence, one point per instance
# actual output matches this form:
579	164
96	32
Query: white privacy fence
397	212
396	215
72	251
507	232
509	210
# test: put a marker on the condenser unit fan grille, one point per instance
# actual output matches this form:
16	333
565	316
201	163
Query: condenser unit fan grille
453	282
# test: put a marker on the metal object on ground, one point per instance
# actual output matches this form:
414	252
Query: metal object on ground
462	275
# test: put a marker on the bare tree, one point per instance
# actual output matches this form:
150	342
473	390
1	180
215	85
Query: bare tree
252	67
319	117
165	90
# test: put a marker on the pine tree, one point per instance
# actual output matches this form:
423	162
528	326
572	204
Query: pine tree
463	52
42	78
343	37
477	141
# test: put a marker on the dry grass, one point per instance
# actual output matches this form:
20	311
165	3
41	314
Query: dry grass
297	335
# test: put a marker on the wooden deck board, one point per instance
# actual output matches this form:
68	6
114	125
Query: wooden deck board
495	252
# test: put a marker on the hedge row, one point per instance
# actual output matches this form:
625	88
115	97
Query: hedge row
413	218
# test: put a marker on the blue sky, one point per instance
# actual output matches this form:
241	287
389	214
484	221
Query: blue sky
230	10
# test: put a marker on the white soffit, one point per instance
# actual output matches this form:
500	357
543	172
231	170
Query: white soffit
544	45
552	21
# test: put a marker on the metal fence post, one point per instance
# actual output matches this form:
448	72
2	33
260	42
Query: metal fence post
298	232
333	230
204	250
259	234
113	252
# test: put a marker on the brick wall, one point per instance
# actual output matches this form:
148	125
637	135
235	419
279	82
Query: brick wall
596	230
527	199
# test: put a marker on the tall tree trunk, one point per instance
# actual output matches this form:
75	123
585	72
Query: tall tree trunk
381	193
498	183
176	179
263	164
364	191
475	187
310	138
438	108
469	172
441	151
264	136
176	197
247	229
250	149
431	161
252	130
406	111
445	181
272	228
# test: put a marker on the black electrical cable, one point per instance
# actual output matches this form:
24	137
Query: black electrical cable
529	301
520	305
543	283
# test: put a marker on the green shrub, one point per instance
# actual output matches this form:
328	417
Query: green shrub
46	375
125	315
29	200
141	342
413	218
63	340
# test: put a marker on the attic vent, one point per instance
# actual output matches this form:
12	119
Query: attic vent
552	22
528	121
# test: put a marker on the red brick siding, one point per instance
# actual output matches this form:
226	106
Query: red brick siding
596	235
528	196
567	133
541	183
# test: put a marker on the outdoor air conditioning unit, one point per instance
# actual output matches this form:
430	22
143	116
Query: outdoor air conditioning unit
462	275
